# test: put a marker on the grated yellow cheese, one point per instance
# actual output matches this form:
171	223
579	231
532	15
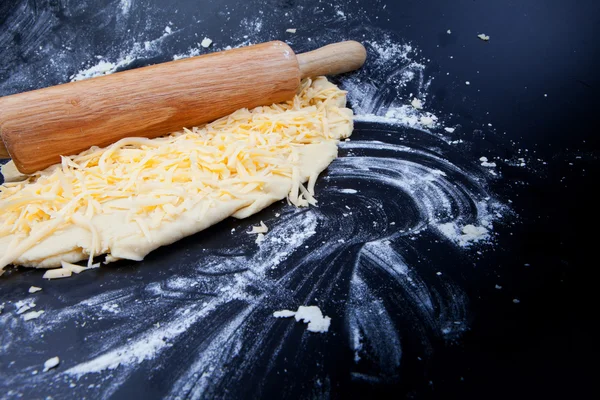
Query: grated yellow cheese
149	182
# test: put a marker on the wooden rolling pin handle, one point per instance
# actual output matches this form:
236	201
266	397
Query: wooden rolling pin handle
333	59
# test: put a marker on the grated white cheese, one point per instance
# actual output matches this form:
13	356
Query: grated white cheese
72	267
34	289
483	37
32	315
51	363
291	30
206	42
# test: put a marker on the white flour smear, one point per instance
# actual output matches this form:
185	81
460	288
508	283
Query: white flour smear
395	191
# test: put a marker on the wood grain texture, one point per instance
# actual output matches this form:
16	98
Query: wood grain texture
333	59
38	127
3	151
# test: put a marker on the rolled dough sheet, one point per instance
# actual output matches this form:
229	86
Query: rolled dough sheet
139	194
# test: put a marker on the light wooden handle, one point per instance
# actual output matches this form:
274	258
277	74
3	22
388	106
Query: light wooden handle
333	59
38	127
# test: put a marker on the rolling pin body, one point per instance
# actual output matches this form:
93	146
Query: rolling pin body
38	127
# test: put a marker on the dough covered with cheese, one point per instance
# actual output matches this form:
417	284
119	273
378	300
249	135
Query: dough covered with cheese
138	194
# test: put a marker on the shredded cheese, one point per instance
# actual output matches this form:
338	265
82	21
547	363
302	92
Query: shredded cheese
157	180
57	273
262	228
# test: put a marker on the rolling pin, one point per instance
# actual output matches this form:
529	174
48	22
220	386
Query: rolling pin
39	126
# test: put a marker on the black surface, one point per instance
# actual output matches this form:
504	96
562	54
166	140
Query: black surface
543	255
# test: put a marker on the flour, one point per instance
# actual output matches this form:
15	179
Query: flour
282	241
401	66
125	6
218	302
310	315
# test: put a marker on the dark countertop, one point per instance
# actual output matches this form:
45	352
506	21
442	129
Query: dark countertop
534	82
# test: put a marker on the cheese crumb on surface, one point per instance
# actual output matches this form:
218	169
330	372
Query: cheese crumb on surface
21	308
72	267
32	315
427	121
51	363
57	273
310	315
449	130
262	228
483	37
34	289
206	42
416	103
448	31
291	30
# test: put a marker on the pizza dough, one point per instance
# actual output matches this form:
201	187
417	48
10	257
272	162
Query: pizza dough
138	194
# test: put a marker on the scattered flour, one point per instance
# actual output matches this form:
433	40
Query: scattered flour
464	236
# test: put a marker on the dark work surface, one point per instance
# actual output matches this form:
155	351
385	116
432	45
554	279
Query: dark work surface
542	254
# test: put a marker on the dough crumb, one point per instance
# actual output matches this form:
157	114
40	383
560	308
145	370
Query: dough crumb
206	42
262	228
32	315
73	267
310	315
427	121
51	363
23	307
416	103
34	289
485	163
291	30
483	37
57	273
